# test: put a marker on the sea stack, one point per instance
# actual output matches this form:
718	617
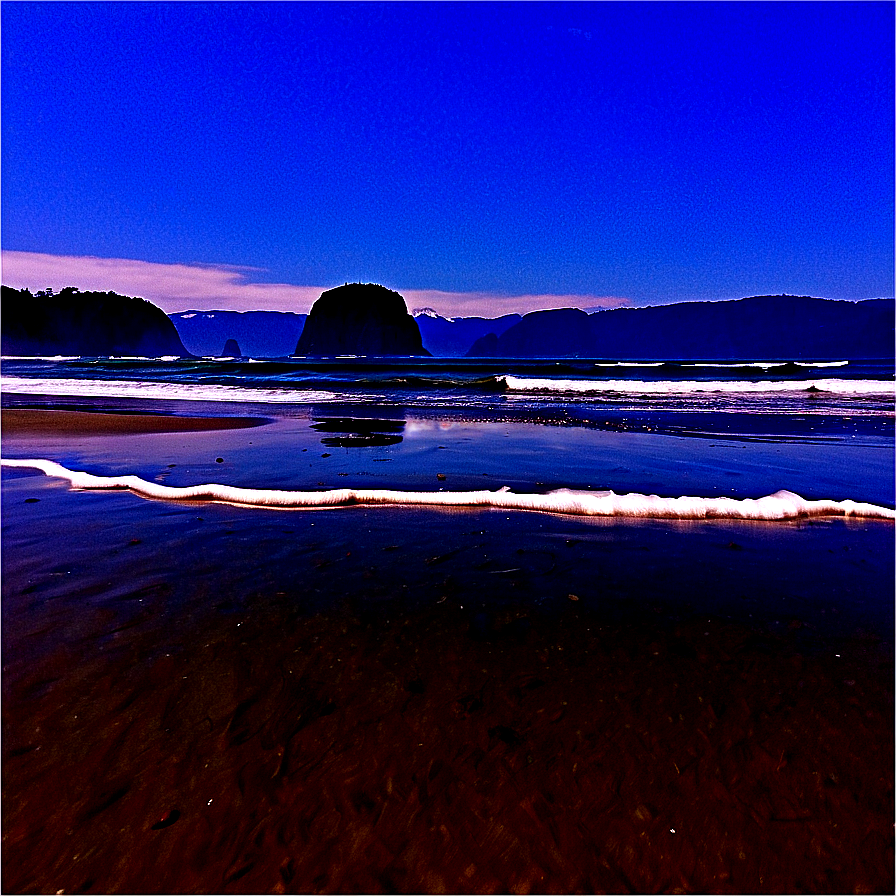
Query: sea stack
360	319
231	349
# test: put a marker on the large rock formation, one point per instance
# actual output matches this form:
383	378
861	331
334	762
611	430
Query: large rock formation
758	328
91	324
360	319
231	349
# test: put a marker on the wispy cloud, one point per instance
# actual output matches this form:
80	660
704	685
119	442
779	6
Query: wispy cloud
173	287
205	287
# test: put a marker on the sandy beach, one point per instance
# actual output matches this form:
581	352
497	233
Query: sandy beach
208	698
41	422
447	448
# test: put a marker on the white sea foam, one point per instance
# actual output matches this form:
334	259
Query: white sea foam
763	364
40	358
157	390
629	363
680	387
768	364
822	363
782	505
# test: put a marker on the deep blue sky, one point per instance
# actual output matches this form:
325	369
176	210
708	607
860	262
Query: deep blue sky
646	151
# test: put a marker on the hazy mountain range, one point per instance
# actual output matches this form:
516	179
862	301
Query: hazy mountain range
759	327
275	334
260	334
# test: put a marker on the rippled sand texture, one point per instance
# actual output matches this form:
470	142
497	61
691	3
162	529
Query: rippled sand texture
438	752
224	706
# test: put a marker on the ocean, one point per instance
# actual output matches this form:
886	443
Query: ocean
367	625
841	412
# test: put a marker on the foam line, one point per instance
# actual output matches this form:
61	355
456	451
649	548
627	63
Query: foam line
676	387
782	505
160	390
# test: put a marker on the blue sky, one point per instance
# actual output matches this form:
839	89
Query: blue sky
479	158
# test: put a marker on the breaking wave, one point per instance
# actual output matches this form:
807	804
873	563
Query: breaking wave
160	390
782	505
679	387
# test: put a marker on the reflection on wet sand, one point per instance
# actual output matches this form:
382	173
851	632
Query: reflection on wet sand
359	432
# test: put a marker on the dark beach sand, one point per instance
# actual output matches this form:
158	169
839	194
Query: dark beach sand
203	698
56	421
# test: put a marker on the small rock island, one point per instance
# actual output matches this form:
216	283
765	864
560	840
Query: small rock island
231	349
360	319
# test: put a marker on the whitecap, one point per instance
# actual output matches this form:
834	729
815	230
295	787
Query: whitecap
630	364
765	365
160	390
821	363
681	387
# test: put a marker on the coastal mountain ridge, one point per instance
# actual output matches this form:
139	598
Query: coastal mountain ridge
797	327
447	337
275	334
260	334
759	327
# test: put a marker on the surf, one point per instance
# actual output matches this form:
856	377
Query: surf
685	387
780	506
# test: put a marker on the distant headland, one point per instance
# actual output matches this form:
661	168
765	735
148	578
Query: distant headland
87	324
761	327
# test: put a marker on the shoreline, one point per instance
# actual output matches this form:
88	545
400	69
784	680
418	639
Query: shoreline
782	505
812	424
314	449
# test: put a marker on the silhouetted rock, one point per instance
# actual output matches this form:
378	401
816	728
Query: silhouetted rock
92	324
231	349
261	334
759	328
360	319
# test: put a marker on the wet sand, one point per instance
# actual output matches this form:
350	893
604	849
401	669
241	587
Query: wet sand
217	699
25	422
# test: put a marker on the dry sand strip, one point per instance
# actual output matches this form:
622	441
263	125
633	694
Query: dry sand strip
24	422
